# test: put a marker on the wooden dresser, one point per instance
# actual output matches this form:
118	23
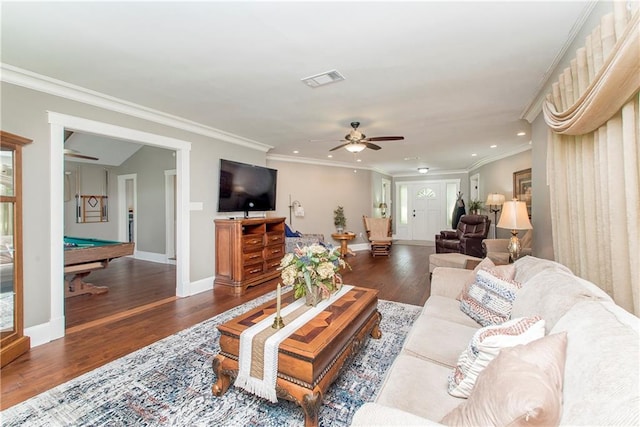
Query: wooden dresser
248	251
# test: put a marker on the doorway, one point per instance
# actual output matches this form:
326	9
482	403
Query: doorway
422	208
58	124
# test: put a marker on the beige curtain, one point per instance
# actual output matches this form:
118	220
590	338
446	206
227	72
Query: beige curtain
594	158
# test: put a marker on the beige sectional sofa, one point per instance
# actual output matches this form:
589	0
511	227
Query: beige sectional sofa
601	371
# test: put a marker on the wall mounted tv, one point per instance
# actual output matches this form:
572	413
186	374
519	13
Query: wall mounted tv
245	188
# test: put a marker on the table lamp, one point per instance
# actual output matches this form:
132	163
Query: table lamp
494	201
383	209
514	217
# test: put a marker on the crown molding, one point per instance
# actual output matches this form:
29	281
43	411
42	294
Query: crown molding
310	161
41	83
487	160
533	109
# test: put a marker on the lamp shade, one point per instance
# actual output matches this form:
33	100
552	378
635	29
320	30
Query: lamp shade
495	199
514	216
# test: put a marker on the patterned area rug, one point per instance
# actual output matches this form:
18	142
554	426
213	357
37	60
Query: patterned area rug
169	383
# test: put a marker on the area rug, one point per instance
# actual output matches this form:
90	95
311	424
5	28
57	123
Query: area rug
169	383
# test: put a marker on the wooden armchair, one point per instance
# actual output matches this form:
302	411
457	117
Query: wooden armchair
379	235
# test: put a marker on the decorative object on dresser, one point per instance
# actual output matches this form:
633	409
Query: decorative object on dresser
248	251
514	217
13	342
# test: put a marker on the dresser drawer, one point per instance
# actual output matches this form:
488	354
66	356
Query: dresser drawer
252	257
250	271
275	251
251	242
273	264
274	237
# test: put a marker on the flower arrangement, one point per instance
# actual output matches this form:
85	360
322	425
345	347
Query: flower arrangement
312	266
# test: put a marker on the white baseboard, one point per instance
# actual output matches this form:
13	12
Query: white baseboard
359	247
201	285
151	256
39	334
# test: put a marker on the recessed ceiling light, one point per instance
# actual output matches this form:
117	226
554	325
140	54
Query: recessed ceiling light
412	158
493	146
295	151
521	133
330	156
423	170
473	155
358	160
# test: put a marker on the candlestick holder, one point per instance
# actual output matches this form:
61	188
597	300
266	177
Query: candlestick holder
277	323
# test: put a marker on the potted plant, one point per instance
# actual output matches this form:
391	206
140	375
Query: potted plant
339	219
475	206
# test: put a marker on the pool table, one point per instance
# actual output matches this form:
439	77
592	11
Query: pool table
84	255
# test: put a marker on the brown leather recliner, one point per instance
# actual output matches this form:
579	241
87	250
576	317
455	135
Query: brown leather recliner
467	238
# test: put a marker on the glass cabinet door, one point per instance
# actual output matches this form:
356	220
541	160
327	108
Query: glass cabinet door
13	343
7	226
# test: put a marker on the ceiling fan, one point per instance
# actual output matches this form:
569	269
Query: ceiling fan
356	141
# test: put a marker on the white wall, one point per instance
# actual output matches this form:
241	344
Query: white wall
320	190
497	177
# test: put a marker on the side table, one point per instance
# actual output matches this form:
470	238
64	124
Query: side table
344	238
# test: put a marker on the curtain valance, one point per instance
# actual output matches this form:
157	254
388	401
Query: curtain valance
616	82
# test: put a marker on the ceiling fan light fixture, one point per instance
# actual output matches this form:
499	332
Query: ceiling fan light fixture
355	148
423	170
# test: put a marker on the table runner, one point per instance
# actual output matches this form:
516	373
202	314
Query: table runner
262	382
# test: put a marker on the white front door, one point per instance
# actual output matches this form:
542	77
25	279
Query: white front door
422	208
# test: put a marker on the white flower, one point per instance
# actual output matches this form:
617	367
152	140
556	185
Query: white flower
286	260
325	270
289	275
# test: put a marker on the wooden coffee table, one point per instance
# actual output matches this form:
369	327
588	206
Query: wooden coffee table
311	358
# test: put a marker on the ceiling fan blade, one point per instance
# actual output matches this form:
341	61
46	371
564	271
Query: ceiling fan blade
385	138
73	153
372	146
339	146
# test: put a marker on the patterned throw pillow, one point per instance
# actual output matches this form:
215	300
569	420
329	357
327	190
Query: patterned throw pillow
520	387
485	346
489	299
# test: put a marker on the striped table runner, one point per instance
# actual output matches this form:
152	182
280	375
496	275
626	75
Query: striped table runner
258	358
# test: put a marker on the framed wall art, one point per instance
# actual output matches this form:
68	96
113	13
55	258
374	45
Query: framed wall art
522	188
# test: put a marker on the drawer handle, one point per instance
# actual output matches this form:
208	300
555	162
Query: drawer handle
254	256
253	242
256	270
277	251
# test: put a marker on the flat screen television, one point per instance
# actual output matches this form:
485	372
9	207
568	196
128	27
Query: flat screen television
245	188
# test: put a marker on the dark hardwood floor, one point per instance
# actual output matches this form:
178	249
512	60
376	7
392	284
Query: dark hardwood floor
402	277
132	283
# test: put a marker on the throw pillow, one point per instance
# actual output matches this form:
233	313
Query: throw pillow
489	299
520	387
485	263
485	345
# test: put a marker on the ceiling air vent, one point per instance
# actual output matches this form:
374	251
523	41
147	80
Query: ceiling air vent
323	78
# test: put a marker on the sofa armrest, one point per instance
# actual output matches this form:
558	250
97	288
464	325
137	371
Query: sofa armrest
449	282
495	245
374	414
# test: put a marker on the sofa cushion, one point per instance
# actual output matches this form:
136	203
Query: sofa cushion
374	414
601	380
550	294
437	340
485	346
520	387
447	309
529	266
489	299
417	386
